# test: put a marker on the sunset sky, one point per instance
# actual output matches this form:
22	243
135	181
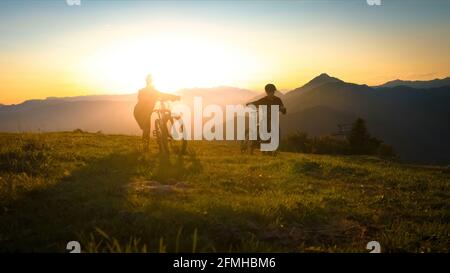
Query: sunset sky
48	48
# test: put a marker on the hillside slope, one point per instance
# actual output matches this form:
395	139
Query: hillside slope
100	190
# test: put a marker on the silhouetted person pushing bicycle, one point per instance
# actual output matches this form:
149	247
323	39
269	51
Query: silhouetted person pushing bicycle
269	100
147	97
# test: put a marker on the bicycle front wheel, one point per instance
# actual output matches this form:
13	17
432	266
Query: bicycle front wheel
161	137
176	146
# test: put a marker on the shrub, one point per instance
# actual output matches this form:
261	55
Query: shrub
386	150
296	142
358	141
329	145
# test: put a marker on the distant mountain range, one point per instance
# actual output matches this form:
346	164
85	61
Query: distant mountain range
106	113
415	121
413	116
126	97
418	84
221	95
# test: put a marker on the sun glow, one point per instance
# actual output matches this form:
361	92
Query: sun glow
175	63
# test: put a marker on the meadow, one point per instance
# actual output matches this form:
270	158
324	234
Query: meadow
102	191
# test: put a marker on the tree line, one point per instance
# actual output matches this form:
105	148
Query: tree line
357	141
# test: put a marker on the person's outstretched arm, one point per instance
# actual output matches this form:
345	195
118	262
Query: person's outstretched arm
282	108
255	103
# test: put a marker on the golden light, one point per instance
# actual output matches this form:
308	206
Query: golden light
175	62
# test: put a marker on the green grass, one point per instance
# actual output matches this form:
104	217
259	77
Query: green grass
102	191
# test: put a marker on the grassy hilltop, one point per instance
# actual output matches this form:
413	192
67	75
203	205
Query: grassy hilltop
100	190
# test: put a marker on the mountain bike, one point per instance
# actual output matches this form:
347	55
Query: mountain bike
248	144
251	144
164	133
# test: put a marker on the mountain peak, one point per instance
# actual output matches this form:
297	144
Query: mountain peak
323	78
323	75
319	80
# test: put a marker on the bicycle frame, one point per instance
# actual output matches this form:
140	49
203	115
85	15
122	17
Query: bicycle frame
247	143
161	132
